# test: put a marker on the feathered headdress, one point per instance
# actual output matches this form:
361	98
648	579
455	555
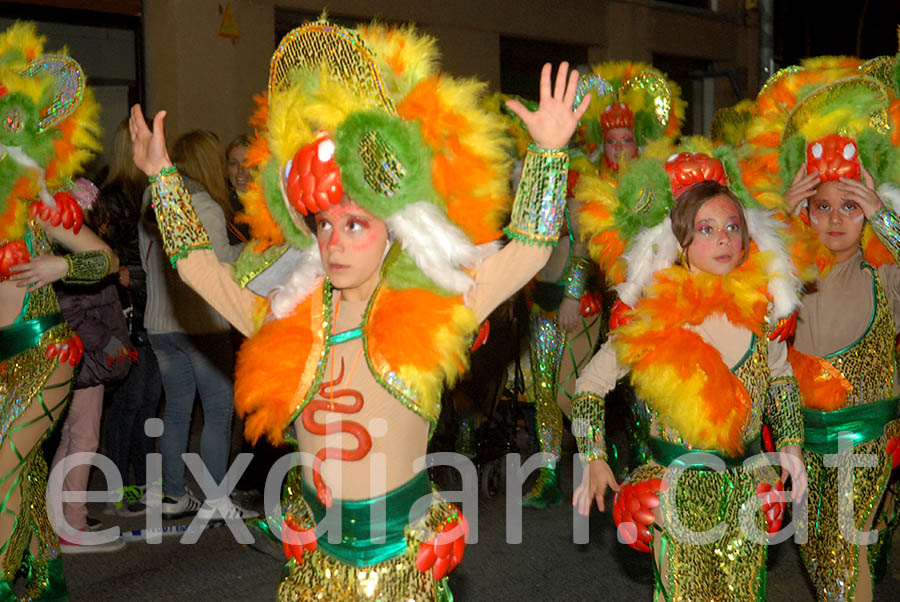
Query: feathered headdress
628	94
835	114
48	125
367	112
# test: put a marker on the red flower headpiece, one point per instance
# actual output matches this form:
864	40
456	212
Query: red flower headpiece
835	157
313	179
617	115
687	169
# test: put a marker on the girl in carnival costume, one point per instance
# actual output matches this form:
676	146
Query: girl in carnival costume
404	176
48	132
706	273
835	143
633	106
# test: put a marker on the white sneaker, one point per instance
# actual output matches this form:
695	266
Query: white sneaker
182	506
224	508
72	543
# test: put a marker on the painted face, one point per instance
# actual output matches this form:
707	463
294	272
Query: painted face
839	222
237	172
618	143
717	244
352	242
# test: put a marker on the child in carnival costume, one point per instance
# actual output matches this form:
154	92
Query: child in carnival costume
354	329
48	132
633	106
707	274
838	168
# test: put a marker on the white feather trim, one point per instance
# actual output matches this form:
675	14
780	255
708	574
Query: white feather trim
437	245
784	285
890	196
303	281
654	249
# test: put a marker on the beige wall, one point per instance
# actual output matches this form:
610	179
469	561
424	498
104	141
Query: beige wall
202	80
205	81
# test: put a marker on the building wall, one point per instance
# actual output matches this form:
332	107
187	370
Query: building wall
205	81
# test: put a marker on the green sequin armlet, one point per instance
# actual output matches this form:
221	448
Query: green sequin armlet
784	412
588	426
179	225
538	212
575	277
887	228
87	266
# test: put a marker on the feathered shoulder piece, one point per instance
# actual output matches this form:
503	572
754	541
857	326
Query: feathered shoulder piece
48	125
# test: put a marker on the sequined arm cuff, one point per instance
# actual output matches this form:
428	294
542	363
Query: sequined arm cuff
86	267
179	225
588	426
538	212
887	227
784	412
575	277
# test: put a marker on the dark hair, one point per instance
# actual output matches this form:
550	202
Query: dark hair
688	205
97	215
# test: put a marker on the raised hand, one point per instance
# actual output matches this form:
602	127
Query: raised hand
803	187
553	124
150	154
862	193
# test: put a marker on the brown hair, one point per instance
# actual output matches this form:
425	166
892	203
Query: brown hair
122	169
198	157
688	205
241	140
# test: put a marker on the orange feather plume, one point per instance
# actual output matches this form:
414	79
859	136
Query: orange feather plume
270	374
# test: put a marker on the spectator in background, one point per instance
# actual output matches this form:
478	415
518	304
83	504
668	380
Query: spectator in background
192	342
94	312
137	398
238	178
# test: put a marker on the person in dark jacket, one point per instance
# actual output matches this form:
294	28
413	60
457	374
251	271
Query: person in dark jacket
95	314
137	398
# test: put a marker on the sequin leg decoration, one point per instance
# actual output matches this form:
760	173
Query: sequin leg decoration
784	412
575	277
589	426
832	561
730	569
538	212
886	225
548	341
179	225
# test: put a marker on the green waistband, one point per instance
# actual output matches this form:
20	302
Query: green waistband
860	424
359	546
22	336
666	453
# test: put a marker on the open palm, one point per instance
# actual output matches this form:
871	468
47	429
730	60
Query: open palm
553	124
